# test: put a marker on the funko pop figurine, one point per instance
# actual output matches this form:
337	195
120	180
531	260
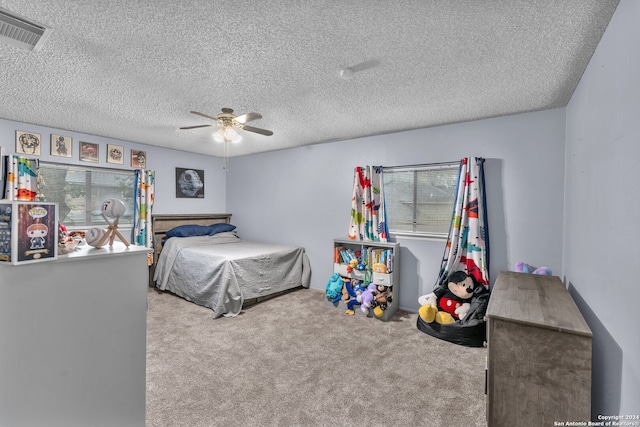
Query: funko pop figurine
37	233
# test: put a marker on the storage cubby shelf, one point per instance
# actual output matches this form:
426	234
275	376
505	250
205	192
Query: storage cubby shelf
385	253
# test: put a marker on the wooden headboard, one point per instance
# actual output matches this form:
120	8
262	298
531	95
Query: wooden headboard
162	223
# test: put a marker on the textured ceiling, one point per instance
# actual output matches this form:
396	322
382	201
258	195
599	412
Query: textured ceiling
132	70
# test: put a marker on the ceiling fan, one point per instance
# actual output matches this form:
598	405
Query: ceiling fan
227	121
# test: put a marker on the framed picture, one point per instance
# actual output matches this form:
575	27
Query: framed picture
189	183
61	145
89	151
28	143
115	154
138	159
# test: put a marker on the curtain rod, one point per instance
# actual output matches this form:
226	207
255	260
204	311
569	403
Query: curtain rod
424	165
427	165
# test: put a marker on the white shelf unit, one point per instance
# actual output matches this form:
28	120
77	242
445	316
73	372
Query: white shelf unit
391	278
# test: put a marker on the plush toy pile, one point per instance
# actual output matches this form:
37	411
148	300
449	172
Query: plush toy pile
455	310
372	298
522	267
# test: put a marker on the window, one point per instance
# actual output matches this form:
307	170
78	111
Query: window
80	191
419	199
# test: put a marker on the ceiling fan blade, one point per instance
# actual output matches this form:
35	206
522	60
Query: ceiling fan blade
194	127
256	130
248	117
203	115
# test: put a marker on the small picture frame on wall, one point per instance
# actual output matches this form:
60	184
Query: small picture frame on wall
89	151
138	159
115	154
61	145
189	183
28	143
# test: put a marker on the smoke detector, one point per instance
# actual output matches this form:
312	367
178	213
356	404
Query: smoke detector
21	32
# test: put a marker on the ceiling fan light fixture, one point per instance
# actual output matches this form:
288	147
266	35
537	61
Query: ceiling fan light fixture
226	134
229	124
218	136
231	135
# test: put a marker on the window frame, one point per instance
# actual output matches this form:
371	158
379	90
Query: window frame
125	222
453	165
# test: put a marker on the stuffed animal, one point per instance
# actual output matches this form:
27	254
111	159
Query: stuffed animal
446	305
334	288
379	268
382	297
352	264
355	290
522	267
346	289
367	298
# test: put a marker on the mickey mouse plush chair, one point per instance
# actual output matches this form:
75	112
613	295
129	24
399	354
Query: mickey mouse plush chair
455	310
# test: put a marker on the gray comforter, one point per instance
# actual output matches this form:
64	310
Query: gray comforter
220	271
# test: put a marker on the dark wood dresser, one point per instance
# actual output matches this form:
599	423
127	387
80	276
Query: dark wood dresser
539	353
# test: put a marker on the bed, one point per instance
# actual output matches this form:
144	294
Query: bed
222	271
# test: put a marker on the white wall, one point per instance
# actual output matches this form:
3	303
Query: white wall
303	195
602	210
163	161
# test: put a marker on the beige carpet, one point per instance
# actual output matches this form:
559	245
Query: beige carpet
295	361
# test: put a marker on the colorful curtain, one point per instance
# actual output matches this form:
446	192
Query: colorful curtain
467	247
20	178
143	202
368	218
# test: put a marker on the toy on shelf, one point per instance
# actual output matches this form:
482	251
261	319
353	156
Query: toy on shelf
66	242
112	208
379	268
94	235
352	264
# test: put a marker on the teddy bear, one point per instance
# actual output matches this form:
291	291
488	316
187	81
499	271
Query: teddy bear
447	304
334	288
381	298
